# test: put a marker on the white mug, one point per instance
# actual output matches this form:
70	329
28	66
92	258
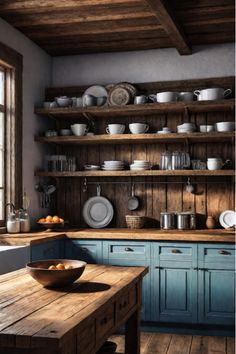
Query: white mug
79	129
115	129
138	128
214	164
48	104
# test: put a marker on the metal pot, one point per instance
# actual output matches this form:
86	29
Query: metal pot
183	221
167	221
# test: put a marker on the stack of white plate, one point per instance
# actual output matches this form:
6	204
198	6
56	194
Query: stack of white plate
186	128
140	165
113	165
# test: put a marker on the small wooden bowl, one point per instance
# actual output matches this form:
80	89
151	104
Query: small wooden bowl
55	278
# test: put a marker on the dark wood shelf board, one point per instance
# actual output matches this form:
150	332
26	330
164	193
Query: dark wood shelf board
129	173
138	138
145	109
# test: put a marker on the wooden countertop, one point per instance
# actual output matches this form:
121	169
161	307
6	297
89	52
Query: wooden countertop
214	235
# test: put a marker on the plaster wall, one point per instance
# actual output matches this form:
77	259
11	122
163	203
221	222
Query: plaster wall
144	66
37	69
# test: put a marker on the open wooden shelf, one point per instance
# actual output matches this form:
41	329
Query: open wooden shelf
138	138
134	110
129	173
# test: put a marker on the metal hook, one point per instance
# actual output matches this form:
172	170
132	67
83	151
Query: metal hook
85	186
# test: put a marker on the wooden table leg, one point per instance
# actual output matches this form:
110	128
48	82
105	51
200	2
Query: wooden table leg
132	333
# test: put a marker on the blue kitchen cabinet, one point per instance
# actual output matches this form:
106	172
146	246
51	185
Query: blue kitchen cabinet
216	284
48	250
174	282
89	251
131	254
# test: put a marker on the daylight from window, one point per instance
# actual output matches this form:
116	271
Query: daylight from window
2	109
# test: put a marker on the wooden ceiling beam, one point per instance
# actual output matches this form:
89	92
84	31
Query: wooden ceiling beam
163	14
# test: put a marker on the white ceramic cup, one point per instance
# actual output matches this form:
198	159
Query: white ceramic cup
79	101
206	128
214	163
48	104
115	129
186	96
167	96
79	129
138	128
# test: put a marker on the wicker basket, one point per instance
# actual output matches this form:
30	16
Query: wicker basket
135	221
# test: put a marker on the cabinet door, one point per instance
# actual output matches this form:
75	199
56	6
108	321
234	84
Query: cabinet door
216	296
48	250
175	293
216	284
89	251
174	282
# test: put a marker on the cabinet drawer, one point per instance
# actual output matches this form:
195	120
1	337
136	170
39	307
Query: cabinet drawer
175	252
105	321
86	250
220	254
128	250
125	303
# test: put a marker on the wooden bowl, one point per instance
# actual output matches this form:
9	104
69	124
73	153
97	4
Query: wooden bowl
55	278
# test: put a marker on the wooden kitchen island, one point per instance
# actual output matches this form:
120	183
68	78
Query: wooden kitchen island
76	319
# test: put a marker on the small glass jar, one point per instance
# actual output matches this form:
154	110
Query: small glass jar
13	223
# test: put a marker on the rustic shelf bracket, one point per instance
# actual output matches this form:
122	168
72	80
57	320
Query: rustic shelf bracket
186	113
90	118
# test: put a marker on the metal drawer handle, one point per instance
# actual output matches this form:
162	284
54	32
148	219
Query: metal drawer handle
128	249
174	250
226	253
84	249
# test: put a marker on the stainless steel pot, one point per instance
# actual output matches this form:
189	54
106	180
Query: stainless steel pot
167	221
183	221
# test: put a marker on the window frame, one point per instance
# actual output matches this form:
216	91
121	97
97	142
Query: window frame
12	62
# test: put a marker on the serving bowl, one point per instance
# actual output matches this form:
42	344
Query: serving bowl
225	126
55	278
51	225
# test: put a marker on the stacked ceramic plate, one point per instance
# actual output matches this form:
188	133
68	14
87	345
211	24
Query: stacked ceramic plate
140	165
113	165
228	218
186	128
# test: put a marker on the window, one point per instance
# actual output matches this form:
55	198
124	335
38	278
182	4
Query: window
10	129
2	143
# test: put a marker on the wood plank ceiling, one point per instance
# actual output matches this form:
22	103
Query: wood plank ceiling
65	27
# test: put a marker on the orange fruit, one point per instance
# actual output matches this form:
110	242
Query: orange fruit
52	267
56	219
68	267
49	218
61	220
42	220
60	266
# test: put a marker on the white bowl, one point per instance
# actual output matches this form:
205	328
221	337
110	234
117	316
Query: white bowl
225	126
65	132
206	128
63	101
167	96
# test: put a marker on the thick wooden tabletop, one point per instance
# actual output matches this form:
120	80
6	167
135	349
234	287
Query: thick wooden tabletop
32	316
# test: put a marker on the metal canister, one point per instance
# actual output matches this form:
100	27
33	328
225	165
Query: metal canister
183	221
193	221
167	221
